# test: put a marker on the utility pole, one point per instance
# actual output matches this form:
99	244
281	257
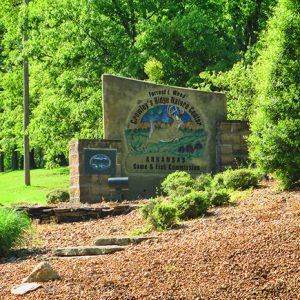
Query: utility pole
26	104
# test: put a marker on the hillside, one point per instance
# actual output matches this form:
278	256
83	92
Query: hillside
247	251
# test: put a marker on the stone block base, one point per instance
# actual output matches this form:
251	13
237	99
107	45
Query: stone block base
232	149
90	188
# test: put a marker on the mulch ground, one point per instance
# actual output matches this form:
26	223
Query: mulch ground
247	251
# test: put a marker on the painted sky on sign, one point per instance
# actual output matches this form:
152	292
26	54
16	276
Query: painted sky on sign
159	114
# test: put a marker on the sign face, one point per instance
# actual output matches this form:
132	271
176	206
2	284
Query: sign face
100	161
161	128
164	133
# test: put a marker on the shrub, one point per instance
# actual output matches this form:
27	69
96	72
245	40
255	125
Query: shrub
239	86
181	191
175	182
240	179
219	198
161	215
218	181
57	196
147	209
191	205
203	182
275	138
13	229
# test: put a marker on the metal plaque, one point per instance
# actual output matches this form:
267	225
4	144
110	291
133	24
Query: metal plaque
100	161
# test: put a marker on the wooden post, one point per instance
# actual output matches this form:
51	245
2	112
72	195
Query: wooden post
26	106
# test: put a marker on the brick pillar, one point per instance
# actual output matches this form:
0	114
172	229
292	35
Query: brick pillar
90	188
232	149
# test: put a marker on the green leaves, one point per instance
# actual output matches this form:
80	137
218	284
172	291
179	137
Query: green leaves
239	86
275	141
71	43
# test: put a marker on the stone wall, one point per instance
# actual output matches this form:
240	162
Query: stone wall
232	150
90	188
155	130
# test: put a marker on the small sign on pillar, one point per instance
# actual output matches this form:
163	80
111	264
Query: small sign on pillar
100	161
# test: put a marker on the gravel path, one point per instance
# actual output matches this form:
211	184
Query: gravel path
247	251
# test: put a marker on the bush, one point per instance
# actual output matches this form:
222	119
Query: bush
57	196
13	229
191	205
240	179
219	198
163	215
175	183
239	86
154	70
218	181
203	182
181	191
147	209
159	213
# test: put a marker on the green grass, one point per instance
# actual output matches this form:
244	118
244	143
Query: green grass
15	227
13	190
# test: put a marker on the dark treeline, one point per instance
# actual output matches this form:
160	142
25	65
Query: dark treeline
218	45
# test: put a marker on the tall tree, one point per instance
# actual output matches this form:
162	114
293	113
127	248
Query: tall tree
275	140
73	42
249	18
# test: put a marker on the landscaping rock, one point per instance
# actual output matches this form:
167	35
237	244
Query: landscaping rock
121	240
73	214
43	272
24	288
87	250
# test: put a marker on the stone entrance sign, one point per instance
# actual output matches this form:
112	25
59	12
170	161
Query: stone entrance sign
161	129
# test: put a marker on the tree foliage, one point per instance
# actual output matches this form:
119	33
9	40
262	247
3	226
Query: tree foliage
275	140
249	20
71	43
239	86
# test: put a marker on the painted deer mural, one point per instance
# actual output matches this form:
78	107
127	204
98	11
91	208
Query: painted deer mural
171	133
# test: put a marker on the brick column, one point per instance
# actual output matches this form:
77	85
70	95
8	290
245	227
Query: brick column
232	149
90	188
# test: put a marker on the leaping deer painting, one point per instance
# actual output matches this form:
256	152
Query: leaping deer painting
172	133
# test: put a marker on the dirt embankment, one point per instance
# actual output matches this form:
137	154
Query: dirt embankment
247	251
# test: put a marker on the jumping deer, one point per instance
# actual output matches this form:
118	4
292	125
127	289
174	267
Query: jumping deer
169	134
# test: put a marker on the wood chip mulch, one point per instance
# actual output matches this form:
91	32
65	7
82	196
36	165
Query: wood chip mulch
247	251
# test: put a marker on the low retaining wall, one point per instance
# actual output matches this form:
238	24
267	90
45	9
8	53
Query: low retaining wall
45	214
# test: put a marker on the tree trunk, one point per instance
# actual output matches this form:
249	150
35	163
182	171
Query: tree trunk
31	159
21	162
14	160
62	160
1	162
40	159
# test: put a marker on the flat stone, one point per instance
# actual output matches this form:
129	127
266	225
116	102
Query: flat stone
43	272
71	258
121	240
24	288
87	250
